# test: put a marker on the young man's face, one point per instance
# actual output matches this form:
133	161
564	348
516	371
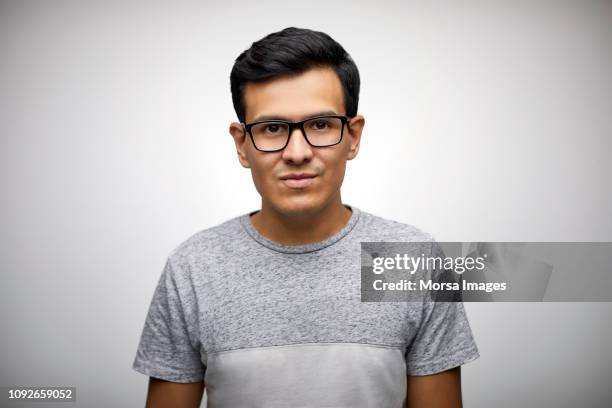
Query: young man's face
295	98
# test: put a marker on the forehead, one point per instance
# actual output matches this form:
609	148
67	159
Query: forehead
294	97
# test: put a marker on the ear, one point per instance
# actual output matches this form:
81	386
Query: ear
354	127
240	139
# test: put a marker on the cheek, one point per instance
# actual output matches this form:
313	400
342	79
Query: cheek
262	172
338	175
334	171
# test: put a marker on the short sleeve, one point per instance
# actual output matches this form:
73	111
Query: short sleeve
168	347
444	339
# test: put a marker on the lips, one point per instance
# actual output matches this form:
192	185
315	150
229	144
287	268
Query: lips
297	176
298	180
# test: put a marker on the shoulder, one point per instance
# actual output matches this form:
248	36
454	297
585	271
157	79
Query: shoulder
209	243
386	229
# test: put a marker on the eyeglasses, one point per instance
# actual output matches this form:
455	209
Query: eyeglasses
273	135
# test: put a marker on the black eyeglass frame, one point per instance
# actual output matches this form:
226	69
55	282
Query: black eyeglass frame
294	125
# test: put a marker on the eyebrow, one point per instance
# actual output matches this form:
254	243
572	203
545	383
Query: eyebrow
277	117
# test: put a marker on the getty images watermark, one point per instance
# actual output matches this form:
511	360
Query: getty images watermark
486	271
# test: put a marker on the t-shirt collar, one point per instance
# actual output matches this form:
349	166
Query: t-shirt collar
245	220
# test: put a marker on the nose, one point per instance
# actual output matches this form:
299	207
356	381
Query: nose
298	150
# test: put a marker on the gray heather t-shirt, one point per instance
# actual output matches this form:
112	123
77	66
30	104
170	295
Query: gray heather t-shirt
269	325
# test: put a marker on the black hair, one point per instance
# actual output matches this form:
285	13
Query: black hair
293	51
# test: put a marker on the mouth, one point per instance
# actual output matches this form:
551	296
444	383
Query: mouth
298	180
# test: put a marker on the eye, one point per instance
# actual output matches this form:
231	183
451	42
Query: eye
320	125
273	128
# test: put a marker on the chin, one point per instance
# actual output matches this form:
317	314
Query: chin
298	206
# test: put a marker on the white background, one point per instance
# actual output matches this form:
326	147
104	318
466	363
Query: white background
485	121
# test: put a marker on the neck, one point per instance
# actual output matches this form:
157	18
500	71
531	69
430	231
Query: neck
300	229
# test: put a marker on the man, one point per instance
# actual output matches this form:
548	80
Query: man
264	309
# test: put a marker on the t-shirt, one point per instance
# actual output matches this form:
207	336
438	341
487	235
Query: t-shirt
271	325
